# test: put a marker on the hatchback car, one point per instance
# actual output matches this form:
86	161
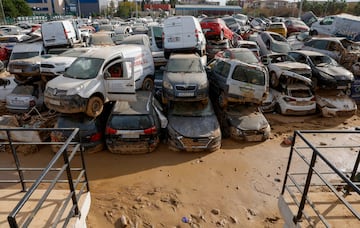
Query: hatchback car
24	97
135	127
193	127
91	131
278	27
243	122
271	42
295	26
294	97
326	72
185	78
216	28
335	103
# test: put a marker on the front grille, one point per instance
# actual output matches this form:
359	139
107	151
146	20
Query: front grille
55	92
195	142
184	87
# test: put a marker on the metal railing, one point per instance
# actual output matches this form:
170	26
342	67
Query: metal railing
311	170
59	171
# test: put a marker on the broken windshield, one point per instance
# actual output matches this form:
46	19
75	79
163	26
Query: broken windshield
84	68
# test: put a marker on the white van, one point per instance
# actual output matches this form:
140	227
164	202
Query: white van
183	34
342	25
59	34
101	75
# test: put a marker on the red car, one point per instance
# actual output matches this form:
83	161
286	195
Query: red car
215	28
295	26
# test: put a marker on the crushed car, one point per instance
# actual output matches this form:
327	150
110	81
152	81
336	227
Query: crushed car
335	103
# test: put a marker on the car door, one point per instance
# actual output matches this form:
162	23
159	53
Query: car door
219	75
248	83
120	86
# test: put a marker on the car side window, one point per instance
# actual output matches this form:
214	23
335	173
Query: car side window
320	44
225	70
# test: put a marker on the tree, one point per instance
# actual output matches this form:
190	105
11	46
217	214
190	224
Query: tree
16	8
125	9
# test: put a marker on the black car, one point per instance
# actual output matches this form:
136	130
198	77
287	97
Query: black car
326	72
135	127
91	130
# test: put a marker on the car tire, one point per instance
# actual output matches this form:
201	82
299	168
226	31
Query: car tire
223	102
20	79
278	109
94	106
274	81
148	84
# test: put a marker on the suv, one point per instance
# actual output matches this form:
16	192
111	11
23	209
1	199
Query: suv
344	51
185	79
236	81
135	127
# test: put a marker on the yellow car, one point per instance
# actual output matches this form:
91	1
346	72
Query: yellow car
278	27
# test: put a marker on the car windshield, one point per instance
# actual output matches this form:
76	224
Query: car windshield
84	68
192	109
131	122
229	21
24	55
321	60
300	93
184	65
99	40
246	56
23	90
249	75
280	47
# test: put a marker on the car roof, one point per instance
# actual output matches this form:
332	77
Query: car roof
142	105
308	53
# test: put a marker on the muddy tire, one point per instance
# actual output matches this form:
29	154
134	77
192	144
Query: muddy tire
223	102
95	106
274	81
148	84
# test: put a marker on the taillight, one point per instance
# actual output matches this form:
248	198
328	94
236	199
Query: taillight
110	131
96	137
197	34
32	103
151	130
288	99
66	35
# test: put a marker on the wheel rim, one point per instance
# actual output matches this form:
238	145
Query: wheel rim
148	84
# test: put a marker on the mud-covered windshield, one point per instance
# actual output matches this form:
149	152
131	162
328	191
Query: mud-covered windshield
194	109
184	65
84	68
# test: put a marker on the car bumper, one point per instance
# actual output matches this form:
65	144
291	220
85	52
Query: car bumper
138	147
299	110
194	144
189	95
66	104
331	112
249	136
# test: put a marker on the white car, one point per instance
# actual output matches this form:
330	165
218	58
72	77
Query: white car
295	97
271	42
56	65
335	103
281	66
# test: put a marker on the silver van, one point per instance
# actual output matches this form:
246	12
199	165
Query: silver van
59	34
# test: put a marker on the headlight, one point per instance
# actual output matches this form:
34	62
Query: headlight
167	85
204	85
75	90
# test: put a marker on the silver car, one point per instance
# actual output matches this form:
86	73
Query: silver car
25	97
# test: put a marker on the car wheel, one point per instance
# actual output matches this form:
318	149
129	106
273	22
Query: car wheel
221	36
148	84
223	102
20	79
278	109
274	81
95	106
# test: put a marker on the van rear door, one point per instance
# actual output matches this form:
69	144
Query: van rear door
120	82
53	34
173	33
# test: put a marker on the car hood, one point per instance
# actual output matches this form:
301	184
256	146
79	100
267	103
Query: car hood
63	83
184	125
292	66
339	101
251	121
187	78
335	71
59	59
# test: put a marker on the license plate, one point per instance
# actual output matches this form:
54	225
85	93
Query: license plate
17	102
54	102
174	39
131	136
185	94
17	70
254	138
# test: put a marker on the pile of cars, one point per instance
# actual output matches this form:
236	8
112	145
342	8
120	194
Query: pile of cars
129	87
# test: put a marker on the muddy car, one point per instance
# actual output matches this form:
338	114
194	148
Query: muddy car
235	81
282	65
193	127
243	122
344	51
335	103
135	127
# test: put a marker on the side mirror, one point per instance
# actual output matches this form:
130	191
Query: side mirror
107	75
